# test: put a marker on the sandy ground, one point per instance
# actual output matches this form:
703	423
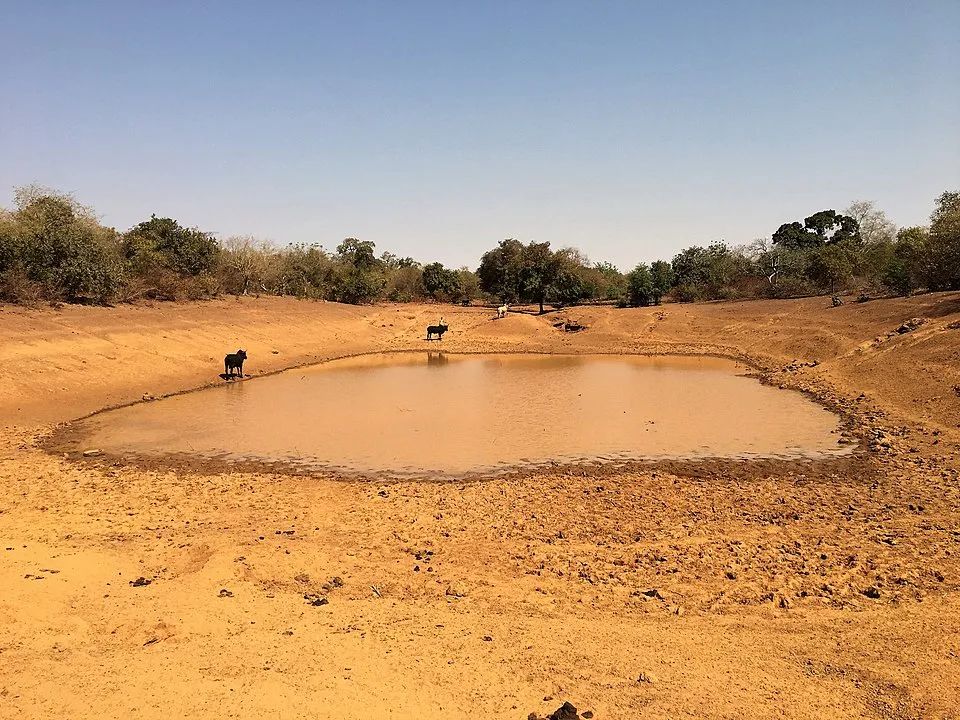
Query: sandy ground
718	590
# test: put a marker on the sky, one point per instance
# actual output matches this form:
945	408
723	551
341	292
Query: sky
627	129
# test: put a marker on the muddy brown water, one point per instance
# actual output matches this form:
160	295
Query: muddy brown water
410	414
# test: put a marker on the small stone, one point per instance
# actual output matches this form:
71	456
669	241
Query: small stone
872	592
487	638
225	593
140	582
648	677
93	452
456	590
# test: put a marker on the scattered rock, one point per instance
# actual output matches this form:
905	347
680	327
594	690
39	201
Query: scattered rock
910	325
332	584
140	582
224	593
93	452
315	600
302	578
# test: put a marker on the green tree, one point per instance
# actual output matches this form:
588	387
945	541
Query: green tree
162	243
944	243
795	236
662	275
501	270
640	284
362	275
57	244
831	266
441	283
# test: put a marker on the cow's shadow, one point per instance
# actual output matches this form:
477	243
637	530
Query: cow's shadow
224	376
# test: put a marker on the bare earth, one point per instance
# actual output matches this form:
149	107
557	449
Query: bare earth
827	589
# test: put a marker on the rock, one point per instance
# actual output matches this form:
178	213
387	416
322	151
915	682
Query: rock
91	453
487	638
302	578
565	712
315	600
224	593
648	677
332	583
910	325
872	592
586	714
140	581
456	590
837	302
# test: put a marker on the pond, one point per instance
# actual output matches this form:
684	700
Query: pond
416	414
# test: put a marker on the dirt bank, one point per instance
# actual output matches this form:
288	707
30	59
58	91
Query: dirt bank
742	590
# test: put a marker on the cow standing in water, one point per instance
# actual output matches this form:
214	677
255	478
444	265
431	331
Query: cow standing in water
232	362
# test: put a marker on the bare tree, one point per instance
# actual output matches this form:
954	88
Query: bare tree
248	258
875	226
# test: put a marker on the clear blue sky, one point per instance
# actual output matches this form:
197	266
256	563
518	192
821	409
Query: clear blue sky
628	129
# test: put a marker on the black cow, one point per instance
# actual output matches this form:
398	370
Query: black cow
234	361
437	330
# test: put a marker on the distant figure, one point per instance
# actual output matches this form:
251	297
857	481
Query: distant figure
232	362
437	330
502	311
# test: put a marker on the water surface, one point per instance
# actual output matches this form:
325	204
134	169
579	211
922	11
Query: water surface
435	413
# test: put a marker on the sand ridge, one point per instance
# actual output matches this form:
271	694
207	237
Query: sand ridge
752	591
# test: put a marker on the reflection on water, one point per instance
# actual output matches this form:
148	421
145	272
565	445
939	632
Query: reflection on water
437	359
440	413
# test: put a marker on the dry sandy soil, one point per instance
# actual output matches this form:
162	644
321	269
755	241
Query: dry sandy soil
711	590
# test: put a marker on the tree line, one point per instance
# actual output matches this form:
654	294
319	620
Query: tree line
53	248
